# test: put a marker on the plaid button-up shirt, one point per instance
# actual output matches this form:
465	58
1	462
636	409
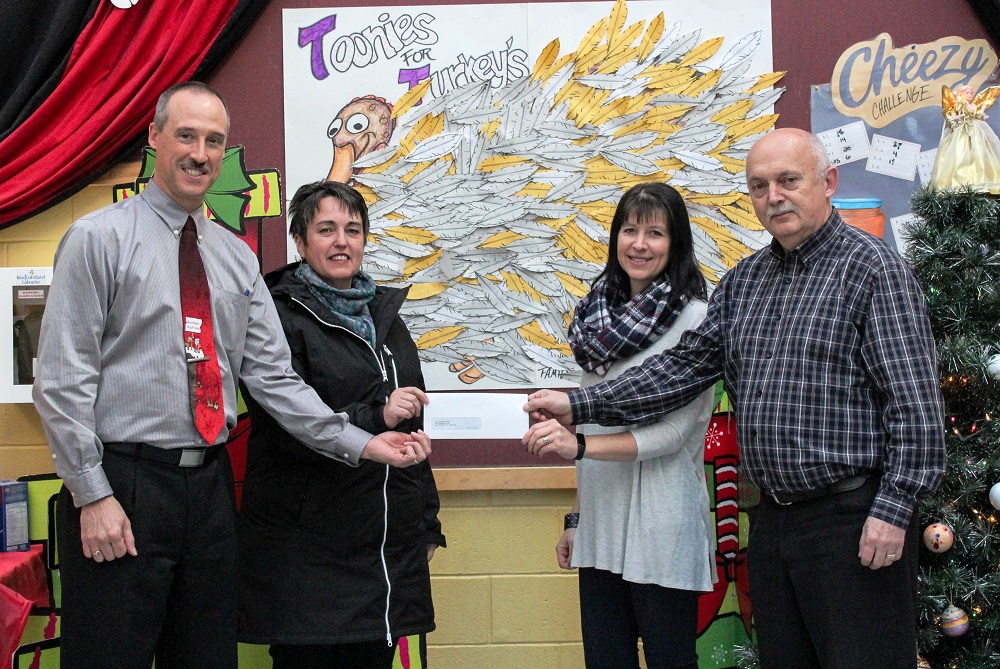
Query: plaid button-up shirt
828	357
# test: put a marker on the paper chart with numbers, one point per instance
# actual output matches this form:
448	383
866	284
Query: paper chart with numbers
898	225
893	157
925	165
846	144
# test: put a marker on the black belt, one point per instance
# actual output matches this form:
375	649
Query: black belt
845	485
181	457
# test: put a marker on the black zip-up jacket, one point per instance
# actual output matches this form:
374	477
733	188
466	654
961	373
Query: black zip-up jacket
331	553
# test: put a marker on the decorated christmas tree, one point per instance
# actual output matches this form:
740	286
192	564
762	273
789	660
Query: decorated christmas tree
954	246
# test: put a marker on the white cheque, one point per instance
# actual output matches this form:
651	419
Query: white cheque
476	416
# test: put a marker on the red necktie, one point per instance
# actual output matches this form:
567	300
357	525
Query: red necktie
199	344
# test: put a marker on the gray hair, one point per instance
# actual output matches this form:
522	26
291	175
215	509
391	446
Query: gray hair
160	116
822	157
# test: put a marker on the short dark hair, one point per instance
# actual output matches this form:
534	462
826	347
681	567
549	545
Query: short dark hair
160	116
306	201
644	202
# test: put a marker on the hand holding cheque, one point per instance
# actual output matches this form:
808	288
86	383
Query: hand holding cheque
546	404
550	408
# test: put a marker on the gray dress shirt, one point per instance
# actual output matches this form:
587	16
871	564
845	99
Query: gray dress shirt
111	361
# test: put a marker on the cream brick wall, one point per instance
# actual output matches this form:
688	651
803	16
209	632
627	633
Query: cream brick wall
501	602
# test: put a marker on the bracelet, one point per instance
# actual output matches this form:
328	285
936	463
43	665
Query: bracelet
571	520
581	445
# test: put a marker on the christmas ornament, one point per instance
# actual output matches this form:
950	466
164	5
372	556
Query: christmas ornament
954	621
923	663
993	366
969	152
938	537
995	496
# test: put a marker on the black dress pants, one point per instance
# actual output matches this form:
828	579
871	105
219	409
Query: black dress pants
814	604
176	601
364	655
615	614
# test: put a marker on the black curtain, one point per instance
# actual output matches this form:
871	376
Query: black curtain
37	39
43	46
988	12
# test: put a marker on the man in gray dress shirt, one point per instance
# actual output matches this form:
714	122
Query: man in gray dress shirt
146	520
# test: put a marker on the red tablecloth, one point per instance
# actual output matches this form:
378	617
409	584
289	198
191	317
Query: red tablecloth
22	583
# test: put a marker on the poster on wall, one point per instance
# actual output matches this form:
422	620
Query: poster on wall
23	292
492	143
880	117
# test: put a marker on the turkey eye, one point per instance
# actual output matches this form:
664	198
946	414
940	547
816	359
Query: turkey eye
357	123
334	127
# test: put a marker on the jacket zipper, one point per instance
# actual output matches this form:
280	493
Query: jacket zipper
385	481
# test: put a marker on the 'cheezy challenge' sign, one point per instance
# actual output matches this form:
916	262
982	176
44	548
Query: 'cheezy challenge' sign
877	83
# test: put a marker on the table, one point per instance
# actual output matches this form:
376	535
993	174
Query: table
22	584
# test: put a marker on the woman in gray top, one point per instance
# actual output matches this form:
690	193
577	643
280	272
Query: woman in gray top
640	531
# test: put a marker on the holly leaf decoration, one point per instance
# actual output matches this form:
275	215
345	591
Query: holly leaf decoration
228	197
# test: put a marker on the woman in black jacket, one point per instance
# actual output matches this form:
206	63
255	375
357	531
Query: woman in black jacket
333	558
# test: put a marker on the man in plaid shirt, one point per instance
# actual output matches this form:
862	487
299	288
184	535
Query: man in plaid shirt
826	351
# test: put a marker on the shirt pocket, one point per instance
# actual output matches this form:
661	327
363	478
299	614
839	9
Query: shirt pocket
231	313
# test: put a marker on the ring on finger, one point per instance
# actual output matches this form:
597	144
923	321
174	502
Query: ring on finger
546	440
98	555
890	557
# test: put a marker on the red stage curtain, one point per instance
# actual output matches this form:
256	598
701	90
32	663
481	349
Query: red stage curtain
119	65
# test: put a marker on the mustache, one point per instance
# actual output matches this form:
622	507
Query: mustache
783	208
190	164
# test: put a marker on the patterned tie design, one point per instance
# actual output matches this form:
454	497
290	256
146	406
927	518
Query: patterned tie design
199	344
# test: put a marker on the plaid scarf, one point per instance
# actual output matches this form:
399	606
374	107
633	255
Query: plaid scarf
600	334
349	307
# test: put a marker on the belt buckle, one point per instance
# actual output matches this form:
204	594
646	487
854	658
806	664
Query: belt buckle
778	501
192	457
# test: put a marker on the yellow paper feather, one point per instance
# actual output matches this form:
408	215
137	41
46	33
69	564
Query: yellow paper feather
572	285
410	98
741	129
500	240
709	273
498	162
588	44
412	235
766	81
414	265
609	111
626	38
534	333
733	112
439	336
367	193
541	70
588	61
519	285
421	291
652	36
617	19
702	52
732	249
582	246
616	59
702	84
712	200
742	217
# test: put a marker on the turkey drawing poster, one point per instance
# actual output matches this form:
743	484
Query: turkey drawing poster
492	143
